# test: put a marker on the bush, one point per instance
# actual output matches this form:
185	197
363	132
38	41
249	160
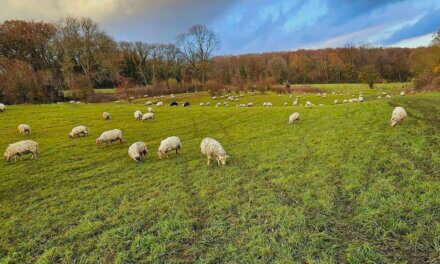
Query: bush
213	87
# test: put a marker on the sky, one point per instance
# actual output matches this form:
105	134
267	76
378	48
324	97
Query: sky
250	26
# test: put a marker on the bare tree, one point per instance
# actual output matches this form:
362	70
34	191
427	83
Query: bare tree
196	48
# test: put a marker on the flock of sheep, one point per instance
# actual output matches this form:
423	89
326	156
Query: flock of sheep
209	147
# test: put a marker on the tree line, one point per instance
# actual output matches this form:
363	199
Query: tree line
39	61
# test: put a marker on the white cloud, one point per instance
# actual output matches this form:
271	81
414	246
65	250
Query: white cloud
420	41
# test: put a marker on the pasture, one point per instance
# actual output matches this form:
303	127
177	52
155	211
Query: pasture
342	186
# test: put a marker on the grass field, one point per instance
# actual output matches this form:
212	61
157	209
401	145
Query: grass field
342	186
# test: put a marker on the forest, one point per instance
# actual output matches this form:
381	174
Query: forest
39	61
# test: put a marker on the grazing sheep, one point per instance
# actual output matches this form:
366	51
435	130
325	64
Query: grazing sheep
361	99
150	110
79	131
2	107
21	148
24	129
145	95
285	104
397	116
250	104
207	104
269	104
159	104
295	103
147	103
379	97
109	137
335	102
402	93
174	104
294	118
131	98
388	96
72	102
202	104
186	104
106	116
137	150
345	101
264	104
169	144
309	104
148	116
218	104
138	115
172	96
212	148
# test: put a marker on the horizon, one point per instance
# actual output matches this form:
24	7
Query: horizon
249	28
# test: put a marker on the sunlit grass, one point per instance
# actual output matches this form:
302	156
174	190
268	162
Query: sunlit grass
340	186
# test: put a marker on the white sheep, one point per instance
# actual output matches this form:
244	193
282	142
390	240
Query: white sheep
264	104
345	101
169	144
294	118
309	104
138	115
24	129
397	116
269	104
285	104
402	93
137	150
361	99
21	148
295	103
159	104
150	110
110	137
106	115
2	107
79	131
212	148
335	102
202	104
207	104
148	116
250	104
147	103
218	104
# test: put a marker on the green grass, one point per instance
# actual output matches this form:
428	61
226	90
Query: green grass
340	186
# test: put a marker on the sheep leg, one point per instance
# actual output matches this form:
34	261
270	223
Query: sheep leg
209	160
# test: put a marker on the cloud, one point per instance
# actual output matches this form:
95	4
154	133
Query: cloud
246	26
429	23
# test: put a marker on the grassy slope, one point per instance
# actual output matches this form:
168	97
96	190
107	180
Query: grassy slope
341	186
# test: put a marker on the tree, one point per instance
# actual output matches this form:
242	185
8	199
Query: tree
436	39
196	48
369	75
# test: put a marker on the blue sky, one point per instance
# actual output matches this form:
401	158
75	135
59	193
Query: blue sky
248	26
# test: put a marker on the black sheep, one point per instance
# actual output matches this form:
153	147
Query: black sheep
174	104
186	104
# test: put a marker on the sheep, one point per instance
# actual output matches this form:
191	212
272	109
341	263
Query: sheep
106	116
172	96
24	129
269	104
250	104
397	116
148	116
295	103
212	148
264	104
335	102
218	104
207	104
388	96
294	118
138	115
402	93
2	107
110	137
379	97
72	102
186	104
361	99
159	104
147	103
21	148
169	144
150	110
309	104
285	104
79	131
202	104
137	150
145	95
345	101
174	104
